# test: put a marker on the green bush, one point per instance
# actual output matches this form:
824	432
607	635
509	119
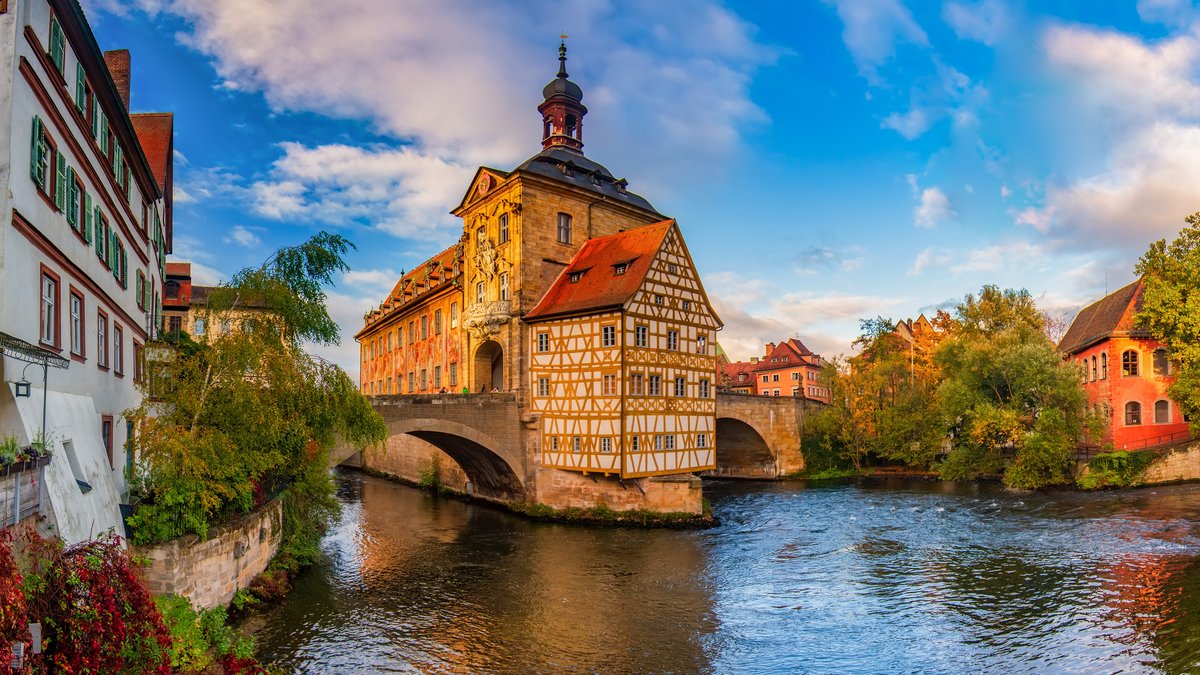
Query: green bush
200	638
1115	469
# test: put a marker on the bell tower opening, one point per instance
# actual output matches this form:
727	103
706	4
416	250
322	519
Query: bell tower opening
562	110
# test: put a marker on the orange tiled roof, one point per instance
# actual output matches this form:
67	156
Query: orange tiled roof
733	369
154	132
599	287
179	269
1102	319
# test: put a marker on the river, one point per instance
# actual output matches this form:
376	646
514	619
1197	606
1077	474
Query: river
875	576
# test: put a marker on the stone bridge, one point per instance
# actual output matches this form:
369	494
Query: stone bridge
489	449
759	436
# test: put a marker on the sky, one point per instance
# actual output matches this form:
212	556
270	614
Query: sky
827	160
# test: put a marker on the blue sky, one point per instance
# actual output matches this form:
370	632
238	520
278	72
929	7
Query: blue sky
827	160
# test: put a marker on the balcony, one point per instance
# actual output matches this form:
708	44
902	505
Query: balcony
485	318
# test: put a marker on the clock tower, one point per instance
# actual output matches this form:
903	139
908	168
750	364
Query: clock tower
563	109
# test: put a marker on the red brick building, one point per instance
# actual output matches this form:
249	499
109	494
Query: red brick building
1125	372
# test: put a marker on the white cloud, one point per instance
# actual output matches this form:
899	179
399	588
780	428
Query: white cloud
1169	12
872	29
1005	192
242	236
808	307
932	257
347	311
910	124
401	191
986	21
933	208
1000	256
376	282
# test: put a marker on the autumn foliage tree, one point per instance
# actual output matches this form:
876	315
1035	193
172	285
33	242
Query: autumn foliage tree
1171	309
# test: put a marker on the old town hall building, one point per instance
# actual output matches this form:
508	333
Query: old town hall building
571	292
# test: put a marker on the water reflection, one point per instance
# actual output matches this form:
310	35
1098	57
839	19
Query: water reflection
888	576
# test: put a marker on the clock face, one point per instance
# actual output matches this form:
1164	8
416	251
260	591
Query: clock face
485	183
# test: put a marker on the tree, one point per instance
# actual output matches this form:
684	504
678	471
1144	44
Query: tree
228	422
1009	401
1171	308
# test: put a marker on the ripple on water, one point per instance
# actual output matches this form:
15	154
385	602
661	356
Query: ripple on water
857	578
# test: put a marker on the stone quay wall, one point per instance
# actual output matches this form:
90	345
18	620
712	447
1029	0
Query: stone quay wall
209	572
1180	465
680	493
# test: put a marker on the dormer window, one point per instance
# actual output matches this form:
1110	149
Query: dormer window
671	269
575	277
620	268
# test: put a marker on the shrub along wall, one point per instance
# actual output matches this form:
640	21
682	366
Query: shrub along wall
209	572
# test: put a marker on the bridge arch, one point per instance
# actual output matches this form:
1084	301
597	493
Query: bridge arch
494	469
742	451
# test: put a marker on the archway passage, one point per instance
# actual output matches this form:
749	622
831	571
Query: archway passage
491	476
489	367
742	452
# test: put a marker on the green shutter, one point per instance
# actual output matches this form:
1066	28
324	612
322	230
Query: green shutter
95	118
124	268
88	217
35	150
103	134
80	88
58	47
72	198
99	233
60	181
116	162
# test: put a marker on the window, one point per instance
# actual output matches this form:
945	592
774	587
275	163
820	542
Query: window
437	376
102	339
641	336
766	378
453	315
1133	413
74	200
633	443
1083	370
543	342
775	377
554	443
58	46
606	444
1104	365
137	361
106	435
543	386
655	388
412	332
775	392
49	317
504	285
673	340
608	336
658	442
41	156
118	349
1162	366
480	292
141	290
680	387
503	228
671	269
608	385
174	324
796	376
564	228
1095	368
686	305
620	268
702	344
437	325
658	299
669	442
1162	412
76	324
701	440
424	326
1129	363
412	382
453	374
577	444
574	277
392	337
424	379
635	384
704	389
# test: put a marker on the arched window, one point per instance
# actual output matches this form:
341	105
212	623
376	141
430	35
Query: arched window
1083	370
1129	363
1094	368
1133	413
1162	366
1104	365
1162	412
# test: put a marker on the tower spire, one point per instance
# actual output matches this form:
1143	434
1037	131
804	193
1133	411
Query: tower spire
563	110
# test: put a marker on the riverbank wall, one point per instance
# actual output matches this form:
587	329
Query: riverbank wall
209	572
1180	465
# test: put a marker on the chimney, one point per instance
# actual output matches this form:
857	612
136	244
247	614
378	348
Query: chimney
753	359
770	348
118	66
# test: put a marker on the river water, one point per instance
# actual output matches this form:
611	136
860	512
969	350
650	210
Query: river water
876	576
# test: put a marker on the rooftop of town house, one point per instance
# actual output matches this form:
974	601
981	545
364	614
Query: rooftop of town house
415	282
787	354
154	132
605	273
1102	319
